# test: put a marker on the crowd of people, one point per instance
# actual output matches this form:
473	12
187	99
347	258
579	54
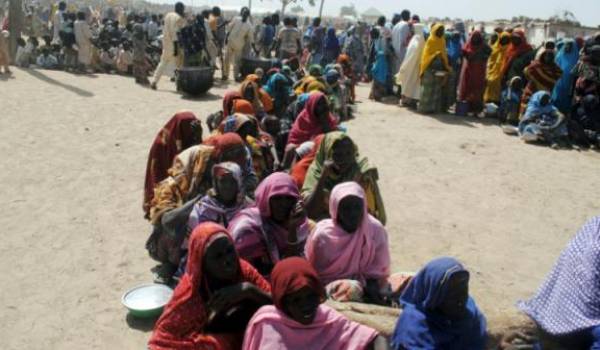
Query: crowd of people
270	209
275	211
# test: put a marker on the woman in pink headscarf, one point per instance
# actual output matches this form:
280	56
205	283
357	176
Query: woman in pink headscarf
299	320
275	228
350	251
315	119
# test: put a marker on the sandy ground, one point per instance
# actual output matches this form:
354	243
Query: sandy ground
74	153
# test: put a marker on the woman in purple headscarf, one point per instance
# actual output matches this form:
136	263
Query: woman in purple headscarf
567	306
275	228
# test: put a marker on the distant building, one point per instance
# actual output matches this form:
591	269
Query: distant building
371	15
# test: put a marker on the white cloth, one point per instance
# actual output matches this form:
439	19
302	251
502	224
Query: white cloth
240	33
408	76
57	24
173	23
83	36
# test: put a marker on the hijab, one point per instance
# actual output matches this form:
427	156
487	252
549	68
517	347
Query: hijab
422	326
331	40
434	46
514	51
535	108
228	99
497	58
176	136
181	324
271	328
337	254
306	126
568	300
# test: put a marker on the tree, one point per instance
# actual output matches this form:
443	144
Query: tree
285	3
297	9
348	11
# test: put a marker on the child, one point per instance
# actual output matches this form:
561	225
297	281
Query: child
124	59
46	60
107	61
510	101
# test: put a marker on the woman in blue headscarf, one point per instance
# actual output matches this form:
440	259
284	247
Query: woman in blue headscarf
566	59
279	87
542	121
438	311
331	47
454	44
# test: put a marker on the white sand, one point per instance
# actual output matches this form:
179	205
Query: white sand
74	155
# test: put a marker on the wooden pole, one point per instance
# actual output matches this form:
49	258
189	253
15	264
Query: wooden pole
321	9
15	20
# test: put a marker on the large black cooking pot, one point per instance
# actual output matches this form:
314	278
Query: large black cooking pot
249	65
194	80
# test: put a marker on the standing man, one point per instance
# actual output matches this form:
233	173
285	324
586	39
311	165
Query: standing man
174	21
400	38
83	36
317	40
152	28
288	40
57	22
217	26
240	33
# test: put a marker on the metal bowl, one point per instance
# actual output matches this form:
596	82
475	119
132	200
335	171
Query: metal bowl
147	300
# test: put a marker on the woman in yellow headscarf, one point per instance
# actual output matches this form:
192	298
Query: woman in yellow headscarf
494	69
434	72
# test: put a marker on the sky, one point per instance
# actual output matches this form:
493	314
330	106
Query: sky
586	11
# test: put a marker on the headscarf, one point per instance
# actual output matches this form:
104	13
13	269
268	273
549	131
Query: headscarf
209	208
514	52
300	168
315	70
228	98
421	326
337	254
363	172
497	58
278	86
453	46
567	301
292	274
223	143
185	317
234	122
255	234
256	103
306	125
470	48
408	75
331	40
535	108
562	96
540	75
242	106
171	140
271	328
434	47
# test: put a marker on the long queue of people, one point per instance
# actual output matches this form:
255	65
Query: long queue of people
276	211
547	94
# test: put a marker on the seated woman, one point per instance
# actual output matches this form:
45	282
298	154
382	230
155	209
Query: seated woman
566	308
181	131
279	87
315	119
541	75
276	228
315	75
215	299
438	312
299	320
228	99
350	251
259	143
261	101
584	124
543	122
337	161
189	180
224	200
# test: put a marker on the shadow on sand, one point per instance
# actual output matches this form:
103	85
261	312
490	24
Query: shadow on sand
43	77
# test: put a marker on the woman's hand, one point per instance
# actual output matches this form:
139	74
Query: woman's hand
518	341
